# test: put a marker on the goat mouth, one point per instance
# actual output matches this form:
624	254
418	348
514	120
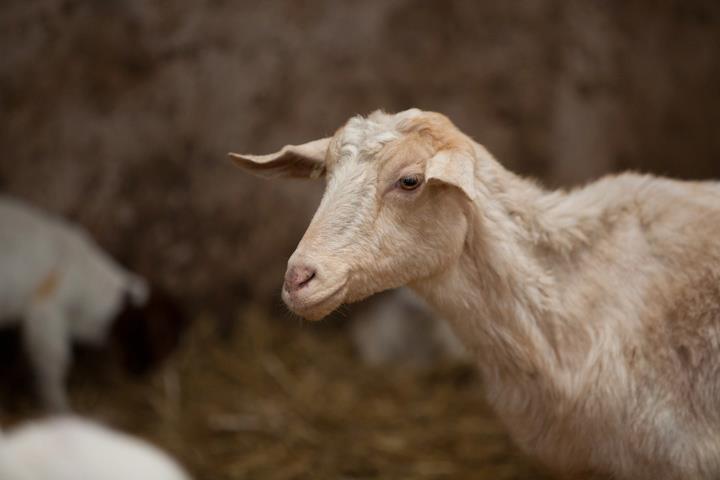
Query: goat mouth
318	307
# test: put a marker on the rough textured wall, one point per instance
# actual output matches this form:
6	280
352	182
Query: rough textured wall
118	112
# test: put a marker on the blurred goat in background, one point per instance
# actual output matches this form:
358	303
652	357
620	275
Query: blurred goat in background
400	329
59	287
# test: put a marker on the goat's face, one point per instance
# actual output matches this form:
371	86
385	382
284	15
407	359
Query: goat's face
393	212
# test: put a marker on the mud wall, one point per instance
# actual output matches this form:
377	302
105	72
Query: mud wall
118	113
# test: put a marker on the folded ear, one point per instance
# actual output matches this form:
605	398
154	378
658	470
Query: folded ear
297	161
455	168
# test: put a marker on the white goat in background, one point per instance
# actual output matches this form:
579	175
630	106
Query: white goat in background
400	329
594	315
61	287
75	449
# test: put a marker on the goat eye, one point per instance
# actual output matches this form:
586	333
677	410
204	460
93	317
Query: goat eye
410	182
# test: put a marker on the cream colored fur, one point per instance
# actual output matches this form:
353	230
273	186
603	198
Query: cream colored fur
60	287
69	448
594	315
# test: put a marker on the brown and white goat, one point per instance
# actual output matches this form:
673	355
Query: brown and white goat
594	315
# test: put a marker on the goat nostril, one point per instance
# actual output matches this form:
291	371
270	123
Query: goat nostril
309	276
298	277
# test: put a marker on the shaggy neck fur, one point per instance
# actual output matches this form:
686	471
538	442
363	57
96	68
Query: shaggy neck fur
517	322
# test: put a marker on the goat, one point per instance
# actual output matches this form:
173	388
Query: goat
58	286
593	314
400	329
68	448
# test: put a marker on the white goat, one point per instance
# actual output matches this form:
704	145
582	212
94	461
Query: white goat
59	286
594	315
75	449
400	329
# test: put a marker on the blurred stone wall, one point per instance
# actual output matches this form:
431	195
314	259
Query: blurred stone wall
118	113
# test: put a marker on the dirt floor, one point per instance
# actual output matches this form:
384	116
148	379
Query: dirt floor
284	399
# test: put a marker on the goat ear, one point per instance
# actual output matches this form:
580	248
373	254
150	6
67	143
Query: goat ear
455	168
296	161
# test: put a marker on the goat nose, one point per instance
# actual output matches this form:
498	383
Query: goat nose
298	276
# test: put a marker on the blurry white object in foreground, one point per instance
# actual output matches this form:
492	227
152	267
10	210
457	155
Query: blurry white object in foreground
400	329
73	449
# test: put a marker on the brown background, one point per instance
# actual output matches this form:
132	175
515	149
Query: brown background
119	113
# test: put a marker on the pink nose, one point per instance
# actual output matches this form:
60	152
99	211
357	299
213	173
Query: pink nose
298	276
